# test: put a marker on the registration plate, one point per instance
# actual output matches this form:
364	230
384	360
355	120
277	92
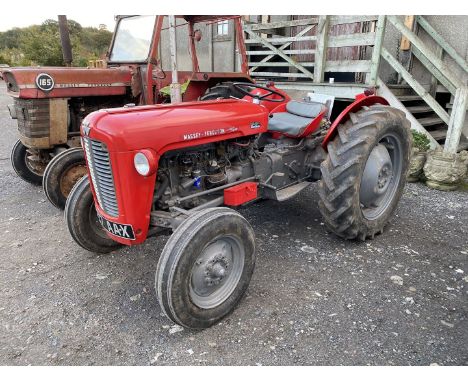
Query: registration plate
125	231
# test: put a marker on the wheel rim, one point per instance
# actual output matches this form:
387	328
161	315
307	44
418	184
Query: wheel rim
216	272
70	177
35	166
381	177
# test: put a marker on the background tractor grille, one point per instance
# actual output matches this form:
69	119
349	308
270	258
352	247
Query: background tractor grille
101	175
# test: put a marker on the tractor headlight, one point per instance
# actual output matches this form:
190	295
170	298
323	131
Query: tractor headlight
145	162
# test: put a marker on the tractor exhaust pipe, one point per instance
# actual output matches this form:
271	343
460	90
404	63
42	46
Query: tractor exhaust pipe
65	40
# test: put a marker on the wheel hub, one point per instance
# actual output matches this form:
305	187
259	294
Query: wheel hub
376	177
216	272
70	177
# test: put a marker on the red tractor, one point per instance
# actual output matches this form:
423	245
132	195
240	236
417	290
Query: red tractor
51	102
163	168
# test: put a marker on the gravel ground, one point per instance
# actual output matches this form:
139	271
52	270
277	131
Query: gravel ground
401	299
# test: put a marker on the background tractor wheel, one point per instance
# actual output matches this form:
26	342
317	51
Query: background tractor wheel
82	220
221	90
205	267
61	174
365	172
23	166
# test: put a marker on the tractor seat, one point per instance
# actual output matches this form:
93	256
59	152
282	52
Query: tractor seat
297	117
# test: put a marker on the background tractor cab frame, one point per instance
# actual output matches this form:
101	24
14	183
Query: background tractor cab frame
50	102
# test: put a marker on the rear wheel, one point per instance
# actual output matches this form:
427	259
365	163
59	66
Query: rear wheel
365	172
61	174
27	169
82	220
205	267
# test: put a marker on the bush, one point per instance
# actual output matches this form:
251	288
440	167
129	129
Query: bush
420	141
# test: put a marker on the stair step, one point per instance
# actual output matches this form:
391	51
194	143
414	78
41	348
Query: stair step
430	121
419	109
438	134
404	98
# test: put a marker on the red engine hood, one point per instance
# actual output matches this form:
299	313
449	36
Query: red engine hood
169	127
68	82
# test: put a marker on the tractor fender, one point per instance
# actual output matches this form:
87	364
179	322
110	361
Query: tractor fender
360	101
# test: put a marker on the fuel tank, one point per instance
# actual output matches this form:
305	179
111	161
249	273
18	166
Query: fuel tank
58	82
174	126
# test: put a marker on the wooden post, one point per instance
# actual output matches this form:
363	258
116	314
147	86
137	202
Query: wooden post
321	49
457	119
175	86
405	44
375	60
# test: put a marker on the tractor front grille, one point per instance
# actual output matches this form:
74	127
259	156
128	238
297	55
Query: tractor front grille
100	170
33	117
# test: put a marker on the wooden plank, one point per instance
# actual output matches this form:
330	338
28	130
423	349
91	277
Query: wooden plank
405	44
283	24
430	121
286	51
417	87
384	91
457	120
348	66
280	64
357	39
442	42
431	56
419	109
434	71
336	20
379	34
345	91
321	53
279	53
439	51
277	74
281	40
301	33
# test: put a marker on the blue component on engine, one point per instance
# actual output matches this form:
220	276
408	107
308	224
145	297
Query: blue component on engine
197	182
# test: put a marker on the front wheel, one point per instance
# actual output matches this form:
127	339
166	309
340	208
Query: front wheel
61	174
365	172
27	169
205	267
82	220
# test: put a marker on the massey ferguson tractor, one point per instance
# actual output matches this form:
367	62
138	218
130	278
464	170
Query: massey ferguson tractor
187	167
50	102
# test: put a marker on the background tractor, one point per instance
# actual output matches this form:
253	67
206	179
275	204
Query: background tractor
50	102
163	168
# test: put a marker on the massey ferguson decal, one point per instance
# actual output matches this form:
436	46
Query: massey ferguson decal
45	82
208	133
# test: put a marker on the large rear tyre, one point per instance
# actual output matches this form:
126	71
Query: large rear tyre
23	166
61	174
205	267
365	172
82	220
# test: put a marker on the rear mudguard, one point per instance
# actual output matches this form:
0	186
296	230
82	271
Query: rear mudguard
361	101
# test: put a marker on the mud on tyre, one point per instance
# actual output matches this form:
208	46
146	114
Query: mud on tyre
365	172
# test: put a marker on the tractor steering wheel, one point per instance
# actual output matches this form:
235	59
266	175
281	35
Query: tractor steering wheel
243	86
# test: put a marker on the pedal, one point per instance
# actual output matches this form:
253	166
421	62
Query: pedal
289	192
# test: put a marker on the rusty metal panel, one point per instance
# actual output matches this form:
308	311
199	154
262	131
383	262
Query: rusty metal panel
58	117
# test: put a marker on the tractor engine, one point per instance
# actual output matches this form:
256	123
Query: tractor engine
197	176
